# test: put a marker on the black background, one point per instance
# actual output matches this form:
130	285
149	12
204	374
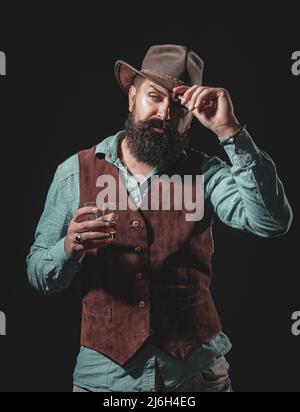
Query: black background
60	96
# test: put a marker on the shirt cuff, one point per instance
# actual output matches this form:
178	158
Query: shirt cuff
241	150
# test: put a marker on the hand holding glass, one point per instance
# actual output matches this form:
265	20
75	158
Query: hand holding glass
106	212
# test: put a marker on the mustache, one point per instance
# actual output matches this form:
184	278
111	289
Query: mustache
161	124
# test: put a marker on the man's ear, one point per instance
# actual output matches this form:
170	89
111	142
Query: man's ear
131	97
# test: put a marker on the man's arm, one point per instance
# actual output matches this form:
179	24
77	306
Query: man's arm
249	195
49	268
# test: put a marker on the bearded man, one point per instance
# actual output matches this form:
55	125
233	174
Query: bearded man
149	323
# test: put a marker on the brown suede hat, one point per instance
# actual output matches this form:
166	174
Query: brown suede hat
168	65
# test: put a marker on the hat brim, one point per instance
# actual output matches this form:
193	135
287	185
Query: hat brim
125	75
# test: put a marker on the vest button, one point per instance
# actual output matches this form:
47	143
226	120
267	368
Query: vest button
142	304
138	249
151	332
139	276
135	223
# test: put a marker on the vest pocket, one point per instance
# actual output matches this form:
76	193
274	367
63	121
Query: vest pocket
195	299
197	318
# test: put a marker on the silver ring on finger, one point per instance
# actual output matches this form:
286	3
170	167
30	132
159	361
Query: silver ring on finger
78	239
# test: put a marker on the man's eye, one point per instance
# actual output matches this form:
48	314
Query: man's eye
154	96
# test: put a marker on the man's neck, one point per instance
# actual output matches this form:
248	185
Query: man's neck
138	169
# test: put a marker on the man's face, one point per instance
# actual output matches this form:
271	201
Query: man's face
157	125
152	101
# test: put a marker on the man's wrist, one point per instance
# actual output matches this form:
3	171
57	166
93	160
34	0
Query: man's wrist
231	139
228	130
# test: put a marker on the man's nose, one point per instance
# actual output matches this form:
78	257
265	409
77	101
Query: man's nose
164	112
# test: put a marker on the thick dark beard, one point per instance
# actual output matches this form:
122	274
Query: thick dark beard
153	148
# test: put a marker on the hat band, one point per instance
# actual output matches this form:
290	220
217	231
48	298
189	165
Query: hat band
163	76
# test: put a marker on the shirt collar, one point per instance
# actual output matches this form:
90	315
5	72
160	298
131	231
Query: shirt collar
109	147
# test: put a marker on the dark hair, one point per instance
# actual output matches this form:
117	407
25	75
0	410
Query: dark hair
138	81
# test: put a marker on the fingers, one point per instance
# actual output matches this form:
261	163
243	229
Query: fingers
190	95
89	241
184	92
206	100
197	96
93	233
84	211
108	218
94	236
92	225
180	89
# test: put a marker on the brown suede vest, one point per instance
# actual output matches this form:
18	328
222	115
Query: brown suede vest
152	284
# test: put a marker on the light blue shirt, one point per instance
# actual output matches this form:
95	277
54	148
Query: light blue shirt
248	196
